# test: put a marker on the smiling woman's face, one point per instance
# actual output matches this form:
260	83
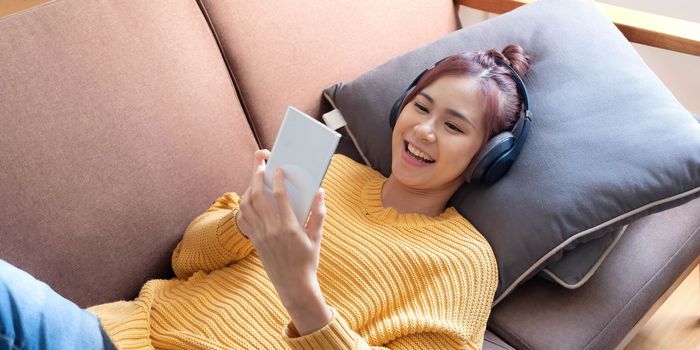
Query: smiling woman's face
437	134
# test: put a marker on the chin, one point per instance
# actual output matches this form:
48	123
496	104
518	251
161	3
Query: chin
408	180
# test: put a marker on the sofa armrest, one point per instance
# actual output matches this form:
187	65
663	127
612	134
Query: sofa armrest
640	27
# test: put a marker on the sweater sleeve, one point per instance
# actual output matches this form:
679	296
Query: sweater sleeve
337	334
212	241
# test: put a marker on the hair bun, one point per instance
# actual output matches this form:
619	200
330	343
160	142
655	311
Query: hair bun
495	54
516	57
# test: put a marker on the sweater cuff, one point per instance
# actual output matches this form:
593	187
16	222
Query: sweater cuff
335	335
230	235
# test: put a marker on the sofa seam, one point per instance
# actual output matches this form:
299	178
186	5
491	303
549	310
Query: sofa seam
697	229
234	83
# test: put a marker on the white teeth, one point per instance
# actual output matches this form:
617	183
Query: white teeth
418	153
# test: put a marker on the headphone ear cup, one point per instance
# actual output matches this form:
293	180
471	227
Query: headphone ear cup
503	163
499	167
396	109
494	149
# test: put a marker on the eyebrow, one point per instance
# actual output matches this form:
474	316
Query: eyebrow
449	110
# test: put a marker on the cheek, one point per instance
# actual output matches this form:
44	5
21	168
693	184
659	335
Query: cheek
473	149
403	125
461	155
396	139
407	117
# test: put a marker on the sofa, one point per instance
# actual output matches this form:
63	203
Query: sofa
123	121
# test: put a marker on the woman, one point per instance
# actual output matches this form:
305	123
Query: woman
397	269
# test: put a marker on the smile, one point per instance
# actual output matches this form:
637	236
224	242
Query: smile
417	155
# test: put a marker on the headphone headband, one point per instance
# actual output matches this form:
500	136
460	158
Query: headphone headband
524	109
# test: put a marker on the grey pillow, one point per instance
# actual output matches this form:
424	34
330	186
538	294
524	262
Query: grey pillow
609	143
576	266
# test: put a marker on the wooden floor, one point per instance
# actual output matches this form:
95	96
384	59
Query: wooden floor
676	324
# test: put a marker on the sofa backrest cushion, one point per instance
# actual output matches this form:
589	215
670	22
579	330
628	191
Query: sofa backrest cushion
285	53
120	125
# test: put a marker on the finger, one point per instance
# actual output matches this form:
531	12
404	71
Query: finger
259	158
253	203
257	194
256	168
245	198
261	155
246	215
279	190
245	194
265	153
242	224
314	227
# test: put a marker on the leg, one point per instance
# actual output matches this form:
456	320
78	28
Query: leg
33	316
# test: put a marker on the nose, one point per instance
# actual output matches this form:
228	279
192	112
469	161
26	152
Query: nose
426	131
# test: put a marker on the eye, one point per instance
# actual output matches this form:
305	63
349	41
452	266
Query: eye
453	127
421	107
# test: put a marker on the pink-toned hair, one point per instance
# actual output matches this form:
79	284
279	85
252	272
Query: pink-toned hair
501	102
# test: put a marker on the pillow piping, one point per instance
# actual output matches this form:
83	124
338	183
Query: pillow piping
592	270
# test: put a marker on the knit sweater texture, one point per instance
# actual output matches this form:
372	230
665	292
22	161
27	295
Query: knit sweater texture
393	281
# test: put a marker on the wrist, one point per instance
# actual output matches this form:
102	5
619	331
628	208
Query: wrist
296	295
308	309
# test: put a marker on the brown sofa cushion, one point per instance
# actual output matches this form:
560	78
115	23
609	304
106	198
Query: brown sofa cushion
120	125
286	53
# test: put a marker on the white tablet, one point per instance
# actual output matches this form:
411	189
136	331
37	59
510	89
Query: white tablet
303	149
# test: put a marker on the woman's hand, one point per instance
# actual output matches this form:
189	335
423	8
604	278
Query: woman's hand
288	251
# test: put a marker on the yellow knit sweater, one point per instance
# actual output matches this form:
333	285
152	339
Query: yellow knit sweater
393	280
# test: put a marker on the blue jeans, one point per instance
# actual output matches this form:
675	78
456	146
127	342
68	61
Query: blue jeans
33	316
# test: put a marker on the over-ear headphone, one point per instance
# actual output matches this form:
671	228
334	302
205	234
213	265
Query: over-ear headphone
500	152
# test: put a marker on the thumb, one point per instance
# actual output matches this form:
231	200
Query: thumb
314	226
